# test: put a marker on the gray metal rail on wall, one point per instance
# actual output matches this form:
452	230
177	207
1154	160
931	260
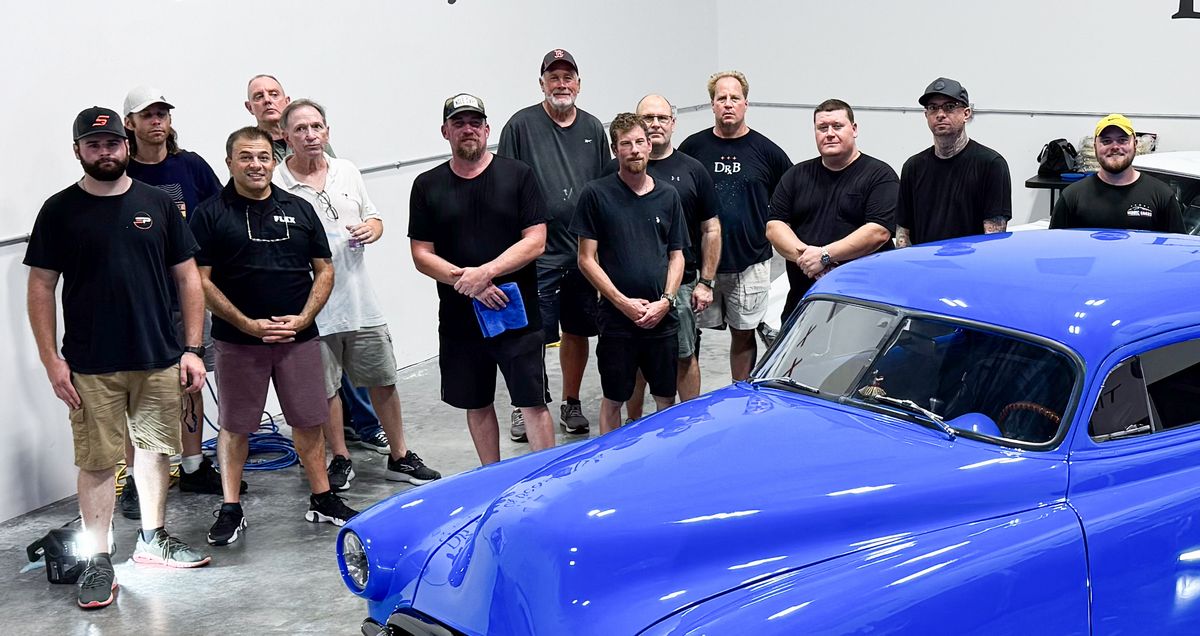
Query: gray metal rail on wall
396	165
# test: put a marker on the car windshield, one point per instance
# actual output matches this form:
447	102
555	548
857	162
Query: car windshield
939	372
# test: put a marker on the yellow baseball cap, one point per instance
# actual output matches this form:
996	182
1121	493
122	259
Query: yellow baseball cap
1115	119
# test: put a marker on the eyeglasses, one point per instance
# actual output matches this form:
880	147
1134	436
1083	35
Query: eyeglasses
327	205
949	108
287	228
650	119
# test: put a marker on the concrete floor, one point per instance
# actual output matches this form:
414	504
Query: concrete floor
281	577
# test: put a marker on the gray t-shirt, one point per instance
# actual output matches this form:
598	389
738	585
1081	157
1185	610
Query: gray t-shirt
563	160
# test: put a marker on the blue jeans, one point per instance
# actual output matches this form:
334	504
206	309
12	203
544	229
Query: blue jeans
357	410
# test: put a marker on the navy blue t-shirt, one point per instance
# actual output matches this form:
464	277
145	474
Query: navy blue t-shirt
745	171
186	176
634	238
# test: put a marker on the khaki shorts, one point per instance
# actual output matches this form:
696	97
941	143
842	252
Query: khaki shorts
687	321
740	299
144	403
365	355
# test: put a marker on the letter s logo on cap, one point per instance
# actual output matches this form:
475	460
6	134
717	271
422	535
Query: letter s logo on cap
101	120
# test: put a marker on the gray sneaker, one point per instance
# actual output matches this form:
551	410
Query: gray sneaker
571	419
97	584
166	550
517	432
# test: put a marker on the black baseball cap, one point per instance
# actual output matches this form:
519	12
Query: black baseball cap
462	103
97	119
558	55
948	87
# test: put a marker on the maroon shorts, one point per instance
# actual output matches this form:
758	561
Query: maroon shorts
243	372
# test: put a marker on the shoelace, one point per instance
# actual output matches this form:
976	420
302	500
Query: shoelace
92	577
574	409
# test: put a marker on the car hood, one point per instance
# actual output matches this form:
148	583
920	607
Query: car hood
736	486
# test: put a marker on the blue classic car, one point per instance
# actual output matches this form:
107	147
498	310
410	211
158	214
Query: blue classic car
991	435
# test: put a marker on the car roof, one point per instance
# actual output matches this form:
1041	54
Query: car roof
1092	290
1185	163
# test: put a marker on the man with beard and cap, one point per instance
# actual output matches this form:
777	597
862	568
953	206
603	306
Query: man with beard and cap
156	159
566	148
1118	196
476	222
958	186
621	214
746	166
118	244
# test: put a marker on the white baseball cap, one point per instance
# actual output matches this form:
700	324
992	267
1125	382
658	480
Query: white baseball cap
139	98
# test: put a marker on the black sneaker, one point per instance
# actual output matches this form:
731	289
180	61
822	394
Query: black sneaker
341	472
410	468
329	508
767	334
377	442
97	584
131	507
351	435
205	480
517	431
229	525
571	418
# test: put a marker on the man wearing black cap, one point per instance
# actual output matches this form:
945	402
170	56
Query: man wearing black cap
566	147
1117	196
117	242
156	159
476	222
957	187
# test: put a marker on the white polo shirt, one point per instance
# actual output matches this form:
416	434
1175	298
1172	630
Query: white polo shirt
352	304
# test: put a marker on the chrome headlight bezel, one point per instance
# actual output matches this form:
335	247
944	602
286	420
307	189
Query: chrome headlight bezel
355	564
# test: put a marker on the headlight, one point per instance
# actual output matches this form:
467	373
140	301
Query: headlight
355	558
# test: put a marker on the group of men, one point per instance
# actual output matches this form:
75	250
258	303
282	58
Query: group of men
641	250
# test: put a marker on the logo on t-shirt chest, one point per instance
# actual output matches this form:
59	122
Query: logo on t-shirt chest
727	165
283	218
143	221
1139	210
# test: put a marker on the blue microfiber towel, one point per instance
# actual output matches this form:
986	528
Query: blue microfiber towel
493	322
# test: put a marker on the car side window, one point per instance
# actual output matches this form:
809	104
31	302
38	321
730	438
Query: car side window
1154	391
1122	409
1173	381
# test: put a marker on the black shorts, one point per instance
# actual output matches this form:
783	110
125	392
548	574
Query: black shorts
619	359
566	297
468	367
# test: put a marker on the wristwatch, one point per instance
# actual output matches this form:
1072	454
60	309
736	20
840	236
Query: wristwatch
706	281
670	298
826	260
199	351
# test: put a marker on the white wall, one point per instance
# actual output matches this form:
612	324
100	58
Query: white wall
381	68
1065	55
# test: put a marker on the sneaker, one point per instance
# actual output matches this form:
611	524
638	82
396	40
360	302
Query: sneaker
329	508
131	507
205	480
571	418
97	584
377	442
767	334
229	525
517	432
341	472
410	468
351	435
628	420
166	550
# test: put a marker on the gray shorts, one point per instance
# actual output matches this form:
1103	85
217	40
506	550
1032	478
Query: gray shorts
687	321
739	299
365	355
210	352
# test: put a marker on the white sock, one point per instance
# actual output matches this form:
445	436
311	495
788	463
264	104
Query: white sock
190	463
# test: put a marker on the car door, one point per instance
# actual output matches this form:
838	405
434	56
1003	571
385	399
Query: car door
1135	484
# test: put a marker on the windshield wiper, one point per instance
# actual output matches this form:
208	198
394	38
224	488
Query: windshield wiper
788	383
913	407
1129	432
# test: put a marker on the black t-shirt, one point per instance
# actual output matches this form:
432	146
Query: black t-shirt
563	160
115	255
471	222
261	256
696	194
1145	204
634	238
822	206
744	171
949	198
